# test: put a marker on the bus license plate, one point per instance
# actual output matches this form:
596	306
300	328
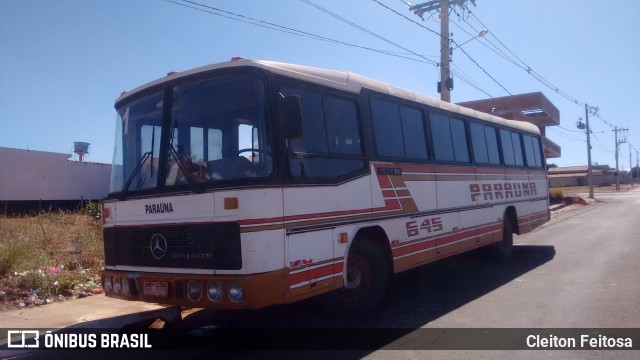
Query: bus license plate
156	288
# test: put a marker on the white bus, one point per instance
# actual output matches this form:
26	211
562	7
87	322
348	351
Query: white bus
250	183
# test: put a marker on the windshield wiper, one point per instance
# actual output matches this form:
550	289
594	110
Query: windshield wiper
135	171
143	159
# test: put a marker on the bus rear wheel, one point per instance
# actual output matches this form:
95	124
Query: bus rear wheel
367	280
503	250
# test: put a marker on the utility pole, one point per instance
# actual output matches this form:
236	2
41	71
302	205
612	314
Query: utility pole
445	85
588	131
617	174
445	71
617	179
630	164
637	168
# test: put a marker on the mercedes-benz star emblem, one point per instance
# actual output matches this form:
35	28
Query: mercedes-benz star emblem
158	246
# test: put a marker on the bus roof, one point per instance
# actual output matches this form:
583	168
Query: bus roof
342	80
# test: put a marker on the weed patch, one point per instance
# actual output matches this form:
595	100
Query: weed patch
49	256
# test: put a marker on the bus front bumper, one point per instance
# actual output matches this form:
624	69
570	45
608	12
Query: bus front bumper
202	291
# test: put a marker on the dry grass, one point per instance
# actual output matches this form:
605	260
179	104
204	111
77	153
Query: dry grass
48	254
567	190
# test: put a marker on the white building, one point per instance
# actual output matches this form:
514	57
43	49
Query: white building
39	175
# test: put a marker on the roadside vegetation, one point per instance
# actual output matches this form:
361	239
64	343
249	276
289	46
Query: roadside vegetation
567	194
51	256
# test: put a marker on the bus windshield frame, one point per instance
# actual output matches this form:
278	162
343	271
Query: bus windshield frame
192	134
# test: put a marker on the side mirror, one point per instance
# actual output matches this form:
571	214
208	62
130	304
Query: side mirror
291	116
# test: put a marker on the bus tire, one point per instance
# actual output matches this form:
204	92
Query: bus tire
367	280
503	250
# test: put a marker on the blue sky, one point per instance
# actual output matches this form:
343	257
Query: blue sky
63	63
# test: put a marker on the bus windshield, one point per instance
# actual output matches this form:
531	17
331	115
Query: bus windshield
215	132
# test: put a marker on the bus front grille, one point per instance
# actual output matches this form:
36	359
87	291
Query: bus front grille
193	246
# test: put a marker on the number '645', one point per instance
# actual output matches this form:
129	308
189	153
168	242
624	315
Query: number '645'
429	225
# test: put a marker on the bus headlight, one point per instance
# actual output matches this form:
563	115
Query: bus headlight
126	287
214	291
236	294
194	291
117	285
107	285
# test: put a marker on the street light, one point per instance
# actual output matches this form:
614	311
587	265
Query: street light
482	33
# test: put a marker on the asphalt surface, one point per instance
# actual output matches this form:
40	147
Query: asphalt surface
580	270
592	281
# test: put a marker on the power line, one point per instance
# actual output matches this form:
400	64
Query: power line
575	131
537	76
292	31
481	68
603	146
407	18
603	120
566	136
532	72
364	29
468	79
495	49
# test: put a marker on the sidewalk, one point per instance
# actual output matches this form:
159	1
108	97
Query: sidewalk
94	312
91	312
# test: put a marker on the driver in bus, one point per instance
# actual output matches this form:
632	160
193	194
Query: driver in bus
197	171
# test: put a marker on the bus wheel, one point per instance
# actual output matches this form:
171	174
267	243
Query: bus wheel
504	248
367	280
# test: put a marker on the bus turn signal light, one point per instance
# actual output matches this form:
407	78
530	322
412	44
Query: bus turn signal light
230	203
105	213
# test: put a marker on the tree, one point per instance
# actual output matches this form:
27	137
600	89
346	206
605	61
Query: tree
549	166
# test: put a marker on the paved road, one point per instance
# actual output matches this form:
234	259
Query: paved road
591	280
581	270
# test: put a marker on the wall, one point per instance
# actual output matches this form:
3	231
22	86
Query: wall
609	179
39	175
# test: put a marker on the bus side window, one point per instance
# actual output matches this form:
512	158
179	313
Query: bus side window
330	145
492	145
479	143
485	144
532	151
537	151
449	138
441	133
517	148
511	148
507	148
399	130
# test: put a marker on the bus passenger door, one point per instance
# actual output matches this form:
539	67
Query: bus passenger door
307	269
315	218
309	248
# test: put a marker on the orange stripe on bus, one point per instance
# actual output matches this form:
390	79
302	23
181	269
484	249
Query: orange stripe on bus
437	241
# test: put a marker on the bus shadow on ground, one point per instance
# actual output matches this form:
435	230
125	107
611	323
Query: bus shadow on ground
416	297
